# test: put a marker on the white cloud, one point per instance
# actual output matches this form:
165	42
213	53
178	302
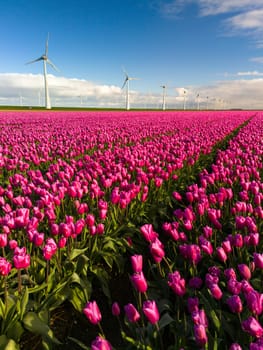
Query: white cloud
250	20
215	7
244	16
28	90
254	73
257	59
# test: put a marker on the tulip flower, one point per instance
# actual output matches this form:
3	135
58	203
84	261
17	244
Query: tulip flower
244	271
3	240
235	304
139	282
215	291
199	318
136	261
115	309
177	283
200	335
253	327
192	304
92	312
148	233
157	251
235	346
5	267
100	344
258	260
131	313
150	310
254	302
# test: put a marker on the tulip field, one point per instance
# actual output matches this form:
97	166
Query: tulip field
131	230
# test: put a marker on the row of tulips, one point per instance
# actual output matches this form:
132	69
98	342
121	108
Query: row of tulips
72	196
206	265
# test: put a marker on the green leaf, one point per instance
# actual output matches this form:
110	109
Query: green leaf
3	341
165	320
8	344
34	324
76	252
22	304
80	344
15	331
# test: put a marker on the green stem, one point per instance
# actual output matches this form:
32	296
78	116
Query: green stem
19	281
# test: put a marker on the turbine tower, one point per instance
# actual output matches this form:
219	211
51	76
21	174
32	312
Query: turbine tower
164	96
127	83
45	60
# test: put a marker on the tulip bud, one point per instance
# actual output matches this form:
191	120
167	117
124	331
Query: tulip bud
136	261
150	310
92	312
100	344
131	313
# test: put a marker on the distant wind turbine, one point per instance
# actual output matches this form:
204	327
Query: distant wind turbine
164	96
184	100
45	60
127	83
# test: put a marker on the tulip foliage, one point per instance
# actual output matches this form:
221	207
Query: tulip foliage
155	217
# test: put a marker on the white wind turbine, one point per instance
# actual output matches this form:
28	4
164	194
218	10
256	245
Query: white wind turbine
164	96
127	83
45	60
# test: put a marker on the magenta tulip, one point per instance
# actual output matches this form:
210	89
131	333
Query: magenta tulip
235	304
136	261
151	311
139	282
5	267
115	309
92	312
100	344
131	313
253	327
200	335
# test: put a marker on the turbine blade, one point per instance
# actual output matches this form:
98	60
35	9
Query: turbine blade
52	65
125	81
38	59
46	52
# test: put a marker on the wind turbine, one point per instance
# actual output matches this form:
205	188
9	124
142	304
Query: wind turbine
45	60
127	83
198	101
184	100
164	96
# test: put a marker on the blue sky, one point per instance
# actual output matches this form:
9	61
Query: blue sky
205	47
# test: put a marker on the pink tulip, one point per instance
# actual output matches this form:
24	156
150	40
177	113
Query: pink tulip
253	327
258	260
100	344
92	312
157	251
200	335
139	282
235	346
177	283
235	304
150	310
115	309
254	302
5	267
244	271
136	261
148	232
131	313
21	261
